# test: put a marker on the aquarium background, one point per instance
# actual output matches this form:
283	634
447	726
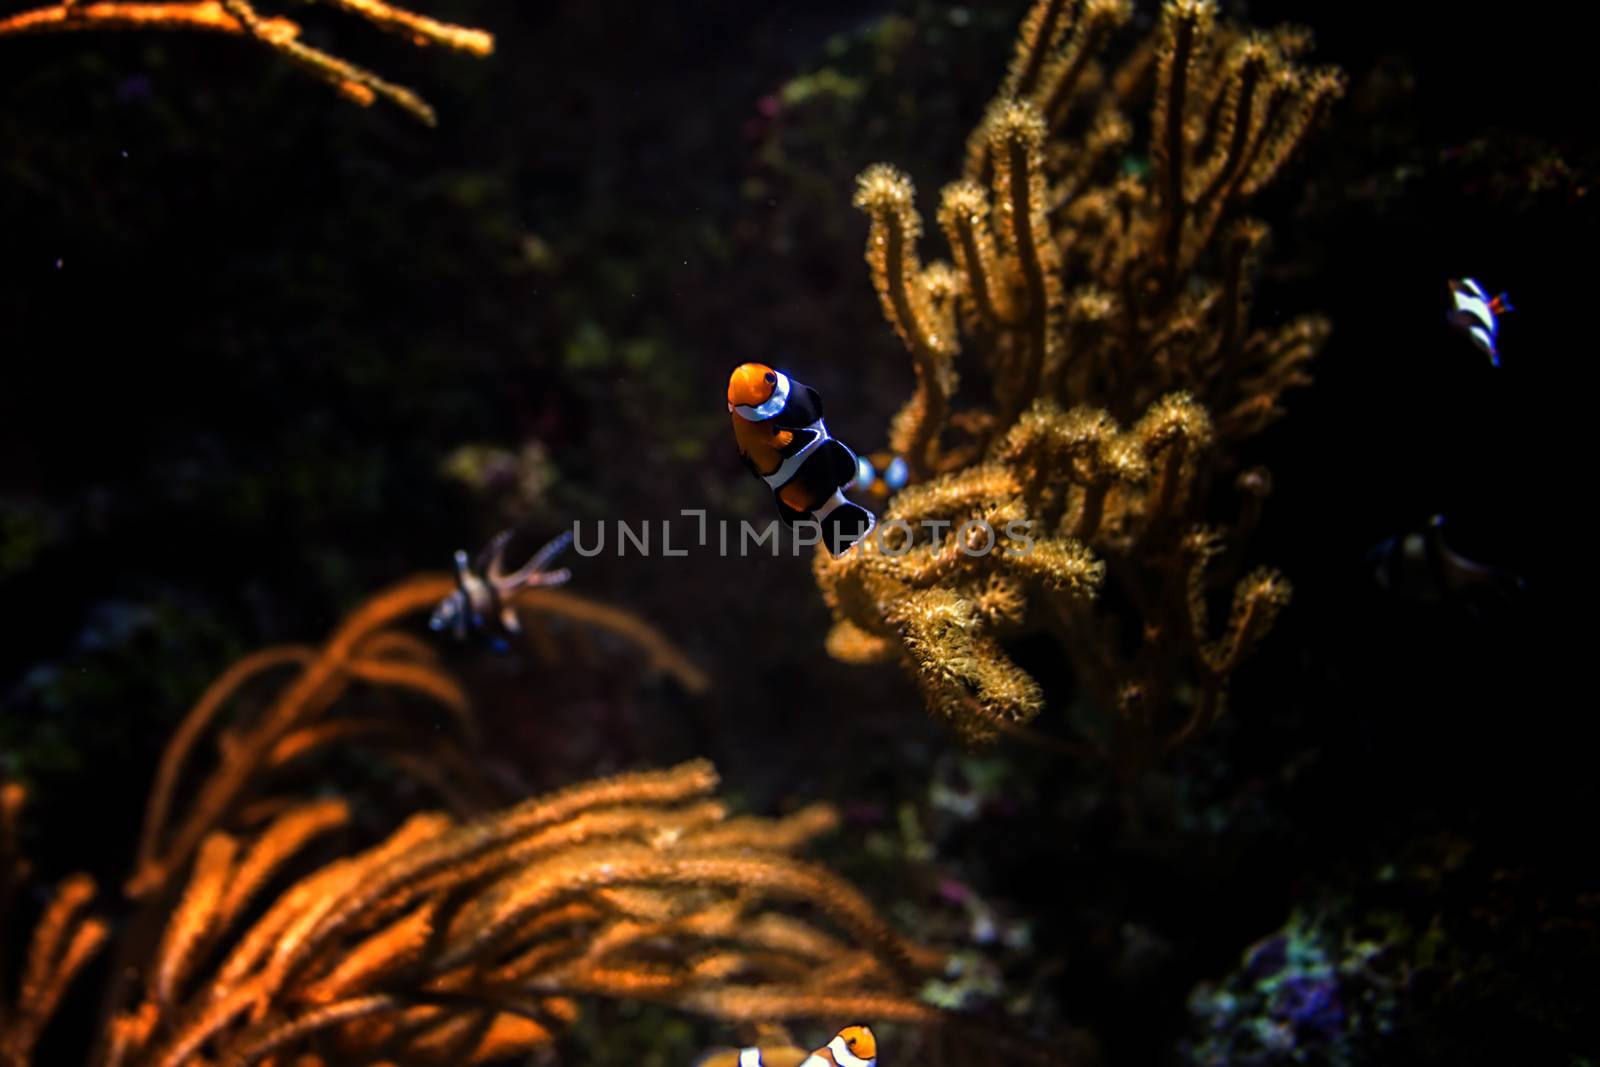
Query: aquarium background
265	351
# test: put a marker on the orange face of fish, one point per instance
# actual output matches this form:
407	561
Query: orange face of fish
761	442
860	1041
751	385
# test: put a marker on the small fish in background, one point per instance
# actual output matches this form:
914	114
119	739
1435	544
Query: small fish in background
1477	314
777	423
482	601
882	474
854	1046
1420	566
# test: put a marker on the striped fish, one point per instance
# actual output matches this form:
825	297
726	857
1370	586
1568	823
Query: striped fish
777	424
483	598
1477	314
854	1046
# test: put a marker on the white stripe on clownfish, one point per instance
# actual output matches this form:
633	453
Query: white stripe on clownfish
791	464
1477	314
834	501
840	1051
770	406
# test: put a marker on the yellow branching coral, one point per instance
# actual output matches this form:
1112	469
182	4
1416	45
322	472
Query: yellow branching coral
1109	317
458	938
280	34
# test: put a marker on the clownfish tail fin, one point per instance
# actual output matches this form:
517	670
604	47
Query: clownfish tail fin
844	522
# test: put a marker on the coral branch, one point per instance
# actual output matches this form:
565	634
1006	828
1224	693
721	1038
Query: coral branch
1119	376
277	33
886	196
63	941
448	941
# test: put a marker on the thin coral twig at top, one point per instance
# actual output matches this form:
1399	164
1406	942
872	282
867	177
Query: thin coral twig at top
277	32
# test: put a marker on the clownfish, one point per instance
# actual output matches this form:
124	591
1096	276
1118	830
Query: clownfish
882	474
854	1046
1477	314
778	425
483	594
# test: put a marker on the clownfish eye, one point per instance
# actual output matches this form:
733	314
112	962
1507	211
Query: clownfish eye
770	378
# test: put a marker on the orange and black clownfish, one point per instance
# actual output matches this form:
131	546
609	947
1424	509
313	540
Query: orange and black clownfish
854	1046
777	422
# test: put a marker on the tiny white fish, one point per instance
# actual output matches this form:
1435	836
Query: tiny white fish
1477	314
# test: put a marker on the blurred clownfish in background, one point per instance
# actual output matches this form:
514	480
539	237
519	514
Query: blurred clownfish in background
882	474
1477	314
778	425
854	1046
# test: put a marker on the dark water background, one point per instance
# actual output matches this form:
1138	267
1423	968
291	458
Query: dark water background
243	323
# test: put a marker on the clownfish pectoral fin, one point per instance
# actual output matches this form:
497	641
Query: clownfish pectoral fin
798	441
1501	304
785	512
